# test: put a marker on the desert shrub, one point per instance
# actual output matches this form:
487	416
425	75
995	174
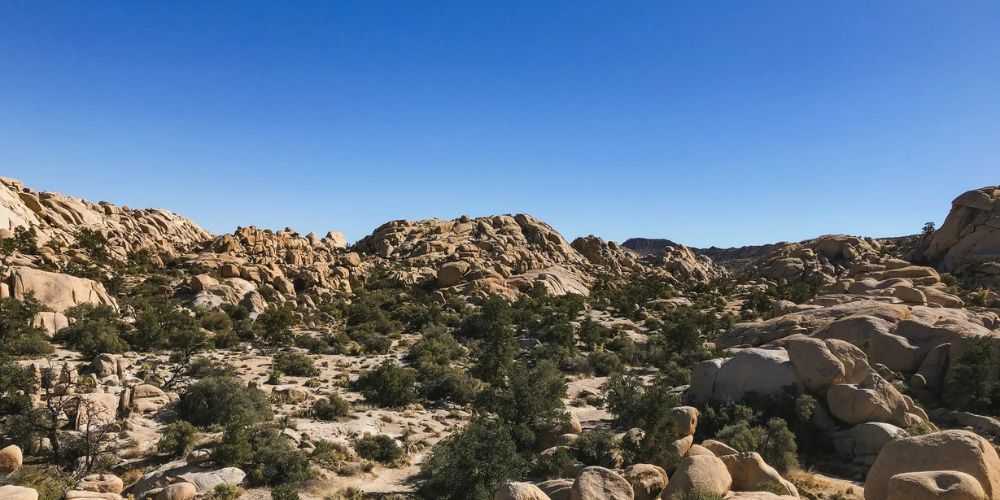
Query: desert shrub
295	364
285	492
161	324
222	400
494	326
436	347
592	333
445	382
472	463
203	367
627	297
389	385
604	363
178	439
371	340
94	329
50	481
330	408
225	491
773	441
635	404
554	463
18	336
268	458
17	384
273	326
379	447
594	445
530	402
973	376
24	241
790	406
314	345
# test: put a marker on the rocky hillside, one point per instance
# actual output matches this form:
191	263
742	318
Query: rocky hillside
58	219
141	356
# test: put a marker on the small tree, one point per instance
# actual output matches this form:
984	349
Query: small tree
18	335
221	400
472	463
389	385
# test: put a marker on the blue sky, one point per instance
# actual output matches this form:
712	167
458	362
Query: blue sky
709	123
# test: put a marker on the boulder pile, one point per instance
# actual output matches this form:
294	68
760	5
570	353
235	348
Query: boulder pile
711	468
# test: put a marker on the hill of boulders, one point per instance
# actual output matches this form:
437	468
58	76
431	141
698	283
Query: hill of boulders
143	356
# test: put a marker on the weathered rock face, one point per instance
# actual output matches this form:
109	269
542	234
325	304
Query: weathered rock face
954	450
519	491
968	242
57	217
56	291
598	483
10	459
282	261
11	492
763	371
704	473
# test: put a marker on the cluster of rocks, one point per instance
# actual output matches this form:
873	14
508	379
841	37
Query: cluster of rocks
968	243
283	262
56	291
920	341
710	468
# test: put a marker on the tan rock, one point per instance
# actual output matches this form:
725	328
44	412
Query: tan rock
647	480
11	492
57	291
11	459
685	420
519	491
598	483
749	472
719	448
177	491
702	473
960	451
101	483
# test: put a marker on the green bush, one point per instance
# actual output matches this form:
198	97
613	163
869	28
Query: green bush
530	402
285	492
273	326
295	365
774	442
604	363
592	333
93	330
264	454
379	447
389	385
494	326
472	463
18	336
646	407
330	408
178	439
553	463
222	400
24	241
160	324
593	446
439	382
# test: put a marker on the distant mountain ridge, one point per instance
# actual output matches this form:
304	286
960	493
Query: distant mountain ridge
734	258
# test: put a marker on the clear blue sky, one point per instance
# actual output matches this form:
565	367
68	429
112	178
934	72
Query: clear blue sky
710	123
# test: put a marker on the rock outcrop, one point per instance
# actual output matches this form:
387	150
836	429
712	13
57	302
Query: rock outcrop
968	243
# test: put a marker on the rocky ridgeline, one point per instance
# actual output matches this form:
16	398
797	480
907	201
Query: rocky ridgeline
968	243
57	217
711	468
507	254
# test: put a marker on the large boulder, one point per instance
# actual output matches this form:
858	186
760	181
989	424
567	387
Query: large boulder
56	291
863	442
958	450
11	492
704	473
177	491
647	480
873	400
598	483
685	420
557	489
11	459
935	485
761	371
451	273
519	491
